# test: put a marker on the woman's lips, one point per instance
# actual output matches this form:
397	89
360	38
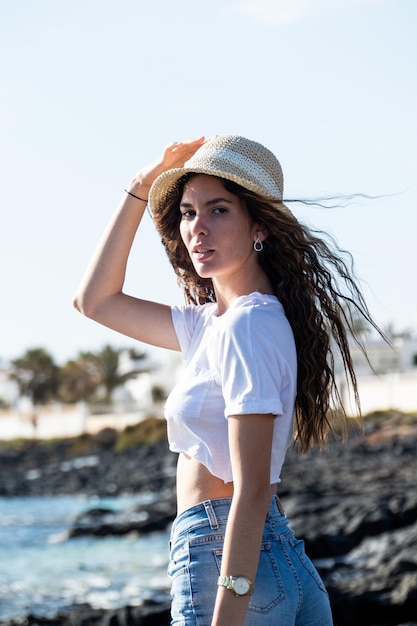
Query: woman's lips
202	254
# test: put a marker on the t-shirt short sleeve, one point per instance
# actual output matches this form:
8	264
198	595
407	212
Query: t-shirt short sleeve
189	322
183	319
254	372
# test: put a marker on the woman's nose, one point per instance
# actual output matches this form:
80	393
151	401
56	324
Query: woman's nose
199	225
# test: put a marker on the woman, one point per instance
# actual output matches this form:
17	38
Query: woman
265	313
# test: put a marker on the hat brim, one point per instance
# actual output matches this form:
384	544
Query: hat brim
166	182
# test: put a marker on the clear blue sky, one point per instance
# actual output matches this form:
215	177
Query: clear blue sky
93	89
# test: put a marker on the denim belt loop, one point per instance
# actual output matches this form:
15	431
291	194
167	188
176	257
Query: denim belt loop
211	514
279	505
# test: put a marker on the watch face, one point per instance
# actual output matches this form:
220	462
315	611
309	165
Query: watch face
241	585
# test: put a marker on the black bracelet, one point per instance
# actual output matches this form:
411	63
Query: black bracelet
137	197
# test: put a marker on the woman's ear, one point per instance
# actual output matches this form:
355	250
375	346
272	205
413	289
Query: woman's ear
261	232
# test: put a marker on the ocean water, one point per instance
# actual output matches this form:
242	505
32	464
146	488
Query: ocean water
41	571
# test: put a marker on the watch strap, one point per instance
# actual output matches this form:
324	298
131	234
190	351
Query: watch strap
225	581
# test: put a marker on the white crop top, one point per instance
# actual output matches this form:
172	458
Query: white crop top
241	362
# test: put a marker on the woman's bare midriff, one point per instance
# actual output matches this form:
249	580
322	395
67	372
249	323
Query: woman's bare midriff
196	484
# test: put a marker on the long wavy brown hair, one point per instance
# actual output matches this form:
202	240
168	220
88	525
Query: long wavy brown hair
314	280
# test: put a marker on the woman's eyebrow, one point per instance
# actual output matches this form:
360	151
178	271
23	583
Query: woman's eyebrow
188	205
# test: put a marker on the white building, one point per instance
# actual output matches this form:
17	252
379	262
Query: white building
9	391
389	379
400	357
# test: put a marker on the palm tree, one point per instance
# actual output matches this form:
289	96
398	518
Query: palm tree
108	366
37	375
79	379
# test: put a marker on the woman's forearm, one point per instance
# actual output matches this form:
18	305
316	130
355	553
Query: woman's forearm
240	554
106	272
250	442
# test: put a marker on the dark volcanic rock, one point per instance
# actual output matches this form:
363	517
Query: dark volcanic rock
139	519
378	578
45	468
355	505
150	614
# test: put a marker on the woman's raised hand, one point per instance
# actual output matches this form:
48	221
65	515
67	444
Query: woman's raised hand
174	155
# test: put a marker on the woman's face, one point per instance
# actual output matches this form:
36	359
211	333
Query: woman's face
216	229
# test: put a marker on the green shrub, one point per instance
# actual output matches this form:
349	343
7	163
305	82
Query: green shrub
150	430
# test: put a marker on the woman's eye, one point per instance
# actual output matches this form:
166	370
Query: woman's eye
191	213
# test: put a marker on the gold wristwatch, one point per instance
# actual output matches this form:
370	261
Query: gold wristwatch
240	585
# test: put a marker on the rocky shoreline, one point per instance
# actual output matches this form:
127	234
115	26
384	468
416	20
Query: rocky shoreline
355	505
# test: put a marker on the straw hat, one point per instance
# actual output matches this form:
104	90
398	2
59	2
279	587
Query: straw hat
235	158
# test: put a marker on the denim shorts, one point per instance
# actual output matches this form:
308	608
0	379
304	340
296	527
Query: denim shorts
288	589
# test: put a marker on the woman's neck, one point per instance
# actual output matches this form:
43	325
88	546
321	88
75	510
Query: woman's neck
226	294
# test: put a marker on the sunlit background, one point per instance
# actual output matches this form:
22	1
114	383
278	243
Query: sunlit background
92	90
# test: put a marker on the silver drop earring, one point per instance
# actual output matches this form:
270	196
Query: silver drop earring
258	246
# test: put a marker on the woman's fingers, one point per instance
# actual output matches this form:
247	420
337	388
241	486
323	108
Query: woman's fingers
177	152
174	155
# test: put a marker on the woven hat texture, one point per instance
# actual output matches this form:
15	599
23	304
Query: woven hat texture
234	158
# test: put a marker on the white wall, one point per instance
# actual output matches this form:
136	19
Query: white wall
387	391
